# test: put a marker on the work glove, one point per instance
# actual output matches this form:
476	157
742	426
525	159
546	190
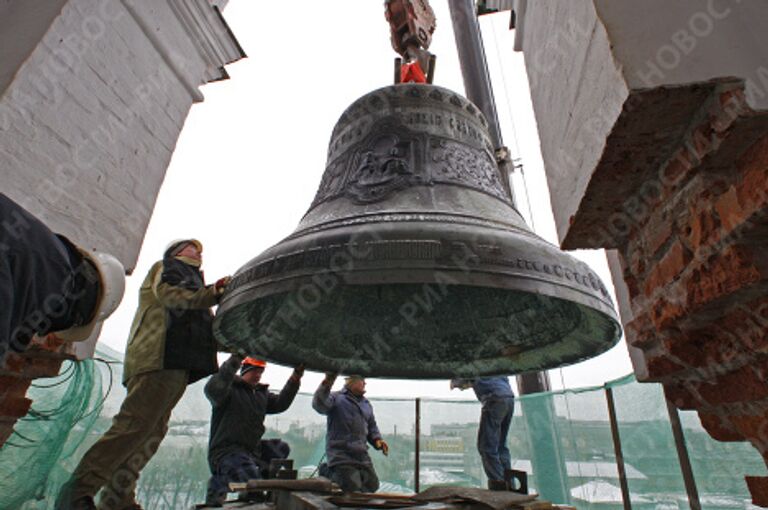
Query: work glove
461	384
221	284
330	378
298	372
382	445
233	363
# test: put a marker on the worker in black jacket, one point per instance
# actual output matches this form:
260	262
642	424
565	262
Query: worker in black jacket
48	285
240	405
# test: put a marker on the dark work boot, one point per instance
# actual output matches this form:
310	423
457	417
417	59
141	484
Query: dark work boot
69	500
497	485
84	503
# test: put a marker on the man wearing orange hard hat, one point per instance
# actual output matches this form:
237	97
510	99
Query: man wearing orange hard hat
240	404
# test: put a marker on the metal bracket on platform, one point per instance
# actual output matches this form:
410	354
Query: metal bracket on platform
517	481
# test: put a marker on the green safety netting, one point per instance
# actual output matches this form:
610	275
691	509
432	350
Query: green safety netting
44	446
562	439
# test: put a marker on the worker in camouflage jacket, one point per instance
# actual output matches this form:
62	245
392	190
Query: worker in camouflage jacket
351	427
170	345
240	404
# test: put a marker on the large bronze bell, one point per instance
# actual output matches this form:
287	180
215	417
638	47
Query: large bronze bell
412	261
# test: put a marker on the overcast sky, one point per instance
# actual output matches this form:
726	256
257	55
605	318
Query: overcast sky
250	157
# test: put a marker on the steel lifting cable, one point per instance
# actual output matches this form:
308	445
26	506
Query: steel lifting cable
517	162
531	219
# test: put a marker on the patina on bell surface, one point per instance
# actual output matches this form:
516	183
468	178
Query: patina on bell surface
412	261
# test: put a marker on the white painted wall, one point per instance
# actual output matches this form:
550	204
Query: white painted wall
577	92
22	24
90	120
662	42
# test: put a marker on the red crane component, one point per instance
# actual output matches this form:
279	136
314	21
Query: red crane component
412	73
411	23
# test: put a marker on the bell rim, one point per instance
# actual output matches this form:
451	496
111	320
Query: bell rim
516	362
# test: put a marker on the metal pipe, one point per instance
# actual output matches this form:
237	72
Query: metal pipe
474	68
617	449
682	456
477	81
417	467
533	382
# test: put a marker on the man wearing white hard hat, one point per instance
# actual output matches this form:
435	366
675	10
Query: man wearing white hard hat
50	286
170	345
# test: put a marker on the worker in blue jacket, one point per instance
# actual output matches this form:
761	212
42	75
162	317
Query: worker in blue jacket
351	427
498	407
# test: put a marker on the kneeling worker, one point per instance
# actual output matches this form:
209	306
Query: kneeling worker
240	405
350	425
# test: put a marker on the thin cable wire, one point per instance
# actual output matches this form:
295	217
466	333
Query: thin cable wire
67	375
98	407
570	422
517	162
317	468
506	91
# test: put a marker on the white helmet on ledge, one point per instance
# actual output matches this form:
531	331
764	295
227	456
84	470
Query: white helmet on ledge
110	293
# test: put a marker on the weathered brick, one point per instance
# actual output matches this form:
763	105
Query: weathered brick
668	268
10	385
758	489
658	233
742	385
14	407
661	367
745	327
664	313
731	103
640	333
754	428
50	343
676	170
6	429
727	272
719	428
702	227
637	262
41	367
729	210
706	347
680	396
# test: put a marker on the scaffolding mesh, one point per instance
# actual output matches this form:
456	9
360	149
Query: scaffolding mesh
563	440
44	447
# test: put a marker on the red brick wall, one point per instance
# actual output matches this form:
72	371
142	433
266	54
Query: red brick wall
696	266
43	358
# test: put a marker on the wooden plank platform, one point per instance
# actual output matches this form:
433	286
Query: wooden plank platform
321	494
